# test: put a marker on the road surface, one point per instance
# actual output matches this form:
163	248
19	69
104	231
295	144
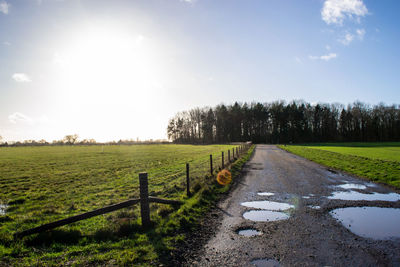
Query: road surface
309	237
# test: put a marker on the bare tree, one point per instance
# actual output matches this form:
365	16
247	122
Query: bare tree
70	139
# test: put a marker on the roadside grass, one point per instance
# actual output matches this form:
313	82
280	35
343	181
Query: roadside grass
378	162
43	184
375	150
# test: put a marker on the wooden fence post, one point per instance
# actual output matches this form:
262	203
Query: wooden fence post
223	162
211	165
233	153
187	180
144	199
237	152
229	155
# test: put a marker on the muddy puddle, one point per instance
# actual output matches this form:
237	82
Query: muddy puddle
267	205
314	207
265	215
249	232
353	195
352	186
3	209
265	263
267	194
370	222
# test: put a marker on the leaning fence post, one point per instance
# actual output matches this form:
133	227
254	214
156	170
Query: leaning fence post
144	199
187	180
233	153
229	155
211	165
223	163
237	152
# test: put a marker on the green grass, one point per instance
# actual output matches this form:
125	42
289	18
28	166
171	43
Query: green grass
379	162
43	184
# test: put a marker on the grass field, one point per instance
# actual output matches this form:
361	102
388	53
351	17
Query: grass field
43	184
378	162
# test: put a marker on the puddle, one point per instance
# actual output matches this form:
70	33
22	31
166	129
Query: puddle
370	222
371	185
3	209
265	215
314	207
249	232
352	186
266	194
353	195
265	263
267	205
306	197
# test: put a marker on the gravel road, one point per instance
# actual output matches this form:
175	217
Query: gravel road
309	236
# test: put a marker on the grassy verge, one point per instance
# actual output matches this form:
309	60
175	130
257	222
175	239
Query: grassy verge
377	170
43	184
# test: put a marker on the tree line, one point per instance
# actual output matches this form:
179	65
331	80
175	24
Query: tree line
281	122
73	139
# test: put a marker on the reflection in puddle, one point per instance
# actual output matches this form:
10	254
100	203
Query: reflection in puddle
352	186
249	232
353	195
266	194
265	263
267	205
314	207
370	222
3	209
265	215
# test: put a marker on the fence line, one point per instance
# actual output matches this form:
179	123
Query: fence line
144	199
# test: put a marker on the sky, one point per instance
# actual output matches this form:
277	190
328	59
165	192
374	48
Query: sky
118	69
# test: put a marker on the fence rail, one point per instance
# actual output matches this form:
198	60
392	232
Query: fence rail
144	199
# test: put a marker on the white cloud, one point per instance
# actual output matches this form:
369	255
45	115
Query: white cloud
6	43
360	33
189	1
4	7
21	78
336	11
19	117
324	57
347	39
298	60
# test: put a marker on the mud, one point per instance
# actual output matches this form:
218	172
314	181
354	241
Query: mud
309	236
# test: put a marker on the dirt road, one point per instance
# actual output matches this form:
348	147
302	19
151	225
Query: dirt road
306	233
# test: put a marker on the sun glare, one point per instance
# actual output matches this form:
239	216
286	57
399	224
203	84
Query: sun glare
109	76
105	63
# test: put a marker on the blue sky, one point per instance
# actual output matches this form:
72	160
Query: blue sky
120	69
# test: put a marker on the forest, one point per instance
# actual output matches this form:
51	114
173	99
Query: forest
281	122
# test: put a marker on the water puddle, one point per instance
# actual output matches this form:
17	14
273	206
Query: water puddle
371	185
353	195
265	215
314	207
267	205
249	232
306	197
352	186
3	209
371	222
265	263
268	194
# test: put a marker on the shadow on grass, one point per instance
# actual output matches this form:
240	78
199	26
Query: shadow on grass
67	237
